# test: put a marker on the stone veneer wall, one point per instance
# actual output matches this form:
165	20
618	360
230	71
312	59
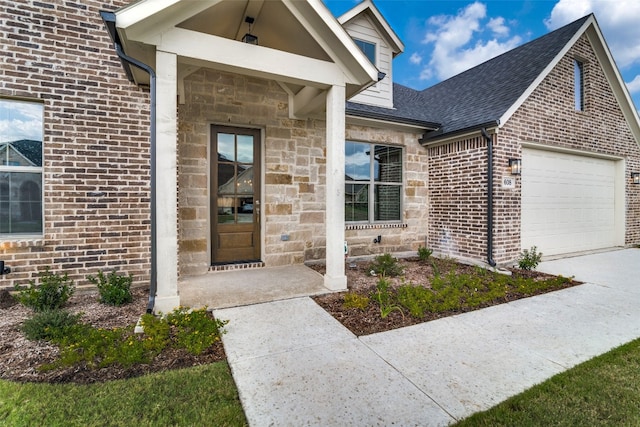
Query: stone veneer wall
294	169
457	170
96	139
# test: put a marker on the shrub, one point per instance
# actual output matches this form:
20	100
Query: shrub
52	293
416	299
196	330
114	289
529	258
355	300
424	253
386	265
193	330
49	325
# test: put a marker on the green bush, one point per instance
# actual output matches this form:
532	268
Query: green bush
52	293
49	325
386	265
529	258
193	330
416	299
355	300
196	330
114	289
424	253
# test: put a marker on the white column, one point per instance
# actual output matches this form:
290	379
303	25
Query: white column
166	182
335	278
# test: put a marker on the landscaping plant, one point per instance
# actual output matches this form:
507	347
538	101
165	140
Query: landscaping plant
529	258
386	265
114	289
424	253
355	300
52	293
192	330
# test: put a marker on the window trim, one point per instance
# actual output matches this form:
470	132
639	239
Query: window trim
35	237
371	183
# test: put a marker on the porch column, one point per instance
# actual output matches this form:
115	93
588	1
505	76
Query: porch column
335	278
166	182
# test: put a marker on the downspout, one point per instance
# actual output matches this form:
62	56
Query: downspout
110	17
490	259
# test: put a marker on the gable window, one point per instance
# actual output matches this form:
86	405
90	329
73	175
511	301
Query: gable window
578	84
373	182
369	49
20	167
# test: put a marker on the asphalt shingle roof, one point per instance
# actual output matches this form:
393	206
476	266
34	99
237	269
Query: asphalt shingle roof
478	96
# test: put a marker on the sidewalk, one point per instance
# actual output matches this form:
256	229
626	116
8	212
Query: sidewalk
295	365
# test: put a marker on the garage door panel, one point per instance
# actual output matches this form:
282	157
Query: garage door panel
568	202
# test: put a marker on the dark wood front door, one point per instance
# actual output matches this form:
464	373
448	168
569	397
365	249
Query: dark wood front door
235	194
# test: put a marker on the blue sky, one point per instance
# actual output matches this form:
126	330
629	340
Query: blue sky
443	38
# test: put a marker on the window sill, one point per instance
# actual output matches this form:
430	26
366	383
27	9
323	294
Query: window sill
374	226
12	242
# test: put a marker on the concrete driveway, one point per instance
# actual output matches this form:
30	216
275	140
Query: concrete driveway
295	365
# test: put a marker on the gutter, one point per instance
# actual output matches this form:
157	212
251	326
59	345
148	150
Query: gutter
389	118
109	19
490	259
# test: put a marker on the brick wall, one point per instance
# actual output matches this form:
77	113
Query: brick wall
458	198
457	170
548	117
95	140
294	168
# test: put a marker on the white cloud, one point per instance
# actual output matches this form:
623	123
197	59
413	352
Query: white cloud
618	19
415	58
452	37
498	27
634	85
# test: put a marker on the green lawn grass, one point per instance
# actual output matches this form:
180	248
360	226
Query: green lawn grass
200	396
604	391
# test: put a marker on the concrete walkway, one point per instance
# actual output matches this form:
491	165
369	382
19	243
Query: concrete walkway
295	365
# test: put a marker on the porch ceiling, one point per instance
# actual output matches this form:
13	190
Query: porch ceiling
301	45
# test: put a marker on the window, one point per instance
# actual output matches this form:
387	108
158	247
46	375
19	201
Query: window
369	49
21	123
373	182
578	84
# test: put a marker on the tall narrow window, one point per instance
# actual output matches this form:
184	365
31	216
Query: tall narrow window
20	167
578	84
369	49
373	182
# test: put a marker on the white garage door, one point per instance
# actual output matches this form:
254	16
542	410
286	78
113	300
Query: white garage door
568	202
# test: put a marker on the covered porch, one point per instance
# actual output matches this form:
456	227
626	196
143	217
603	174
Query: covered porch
194	45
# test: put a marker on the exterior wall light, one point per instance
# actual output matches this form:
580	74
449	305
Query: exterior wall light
515	166
250	38
635	177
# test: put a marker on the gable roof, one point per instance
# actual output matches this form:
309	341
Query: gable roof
366	7
490	93
481	96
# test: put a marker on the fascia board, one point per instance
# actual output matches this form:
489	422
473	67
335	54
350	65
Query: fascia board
221	53
145	20
380	22
619	87
334	39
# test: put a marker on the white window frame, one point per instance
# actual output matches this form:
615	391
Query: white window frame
372	184
27	169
